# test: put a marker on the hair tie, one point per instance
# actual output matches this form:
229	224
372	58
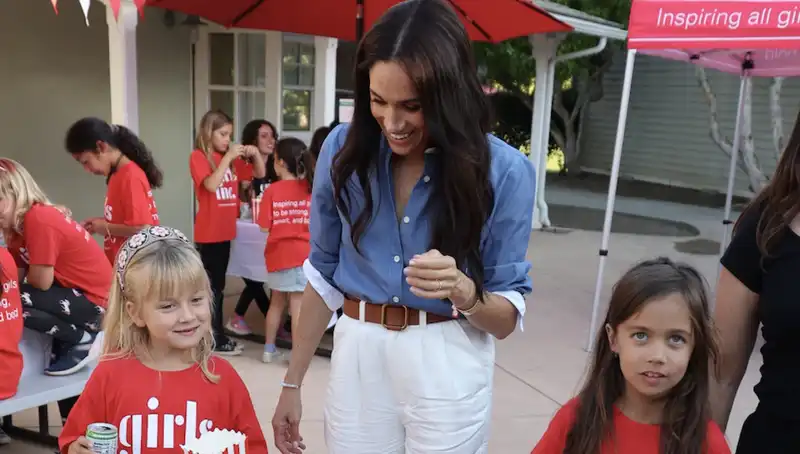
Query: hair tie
139	241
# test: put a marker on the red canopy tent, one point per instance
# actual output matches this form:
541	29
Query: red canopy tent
745	37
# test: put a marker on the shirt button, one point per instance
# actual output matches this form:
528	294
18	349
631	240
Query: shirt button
426	178
395	299
406	220
396	259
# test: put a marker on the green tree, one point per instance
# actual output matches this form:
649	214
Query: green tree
510	68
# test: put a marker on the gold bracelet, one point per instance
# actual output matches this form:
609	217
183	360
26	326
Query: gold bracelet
472	309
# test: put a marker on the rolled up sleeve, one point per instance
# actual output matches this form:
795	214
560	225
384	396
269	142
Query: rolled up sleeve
325	224
505	249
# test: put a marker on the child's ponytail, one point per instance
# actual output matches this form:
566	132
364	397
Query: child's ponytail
305	166
134	149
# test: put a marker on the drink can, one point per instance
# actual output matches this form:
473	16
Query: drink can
103	437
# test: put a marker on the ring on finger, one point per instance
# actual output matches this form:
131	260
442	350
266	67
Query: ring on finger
438	285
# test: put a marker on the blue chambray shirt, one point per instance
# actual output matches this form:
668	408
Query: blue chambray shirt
376	274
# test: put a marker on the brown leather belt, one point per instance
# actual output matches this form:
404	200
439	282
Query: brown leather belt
391	316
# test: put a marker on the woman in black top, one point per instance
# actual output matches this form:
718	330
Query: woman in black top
760	284
263	135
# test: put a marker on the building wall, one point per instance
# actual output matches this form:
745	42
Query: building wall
55	70
667	139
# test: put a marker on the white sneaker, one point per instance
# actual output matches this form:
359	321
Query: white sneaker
4	438
271	357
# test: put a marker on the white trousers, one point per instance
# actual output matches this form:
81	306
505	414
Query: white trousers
424	390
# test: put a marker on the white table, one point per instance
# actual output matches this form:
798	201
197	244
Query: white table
247	254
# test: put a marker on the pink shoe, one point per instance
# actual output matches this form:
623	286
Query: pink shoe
237	325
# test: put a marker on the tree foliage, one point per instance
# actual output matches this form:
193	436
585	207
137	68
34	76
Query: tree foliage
509	66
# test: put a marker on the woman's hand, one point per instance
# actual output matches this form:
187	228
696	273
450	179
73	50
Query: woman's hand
80	446
251	152
96	226
435	276
286	423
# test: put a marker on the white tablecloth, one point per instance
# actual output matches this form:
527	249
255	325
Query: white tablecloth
247	252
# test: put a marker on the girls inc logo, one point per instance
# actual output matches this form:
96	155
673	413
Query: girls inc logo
137	432
224	190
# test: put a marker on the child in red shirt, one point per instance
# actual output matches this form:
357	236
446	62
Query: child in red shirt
115	152
157	380
283	213
648	389
10	326
67	276
212	165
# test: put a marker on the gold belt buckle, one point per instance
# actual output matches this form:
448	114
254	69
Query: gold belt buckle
394	327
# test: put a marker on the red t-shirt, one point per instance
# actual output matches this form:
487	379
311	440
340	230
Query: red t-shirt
631	437
284	211
129	201
157	412
244	170
11	323
49	238
217	211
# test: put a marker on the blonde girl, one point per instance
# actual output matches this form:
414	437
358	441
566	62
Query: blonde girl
157	356
213	165
64	273
647	391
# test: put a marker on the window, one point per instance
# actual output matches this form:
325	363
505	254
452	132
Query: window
237	75
298	84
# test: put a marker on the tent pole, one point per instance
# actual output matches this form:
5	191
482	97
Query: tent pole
612	193
737	139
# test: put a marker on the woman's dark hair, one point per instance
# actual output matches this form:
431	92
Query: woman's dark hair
84	134
299	161
318	139
428	40
250	137
776	205
686	412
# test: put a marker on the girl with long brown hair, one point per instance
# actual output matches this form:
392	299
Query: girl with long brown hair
648	386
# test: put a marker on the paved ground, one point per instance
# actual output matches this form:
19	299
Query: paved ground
540	368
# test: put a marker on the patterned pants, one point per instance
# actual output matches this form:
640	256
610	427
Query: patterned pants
63	313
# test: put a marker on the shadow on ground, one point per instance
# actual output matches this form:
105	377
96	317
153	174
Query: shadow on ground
698	246
581	218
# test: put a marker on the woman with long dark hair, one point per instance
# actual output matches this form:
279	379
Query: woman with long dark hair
262	135
758	285
420	222
118	154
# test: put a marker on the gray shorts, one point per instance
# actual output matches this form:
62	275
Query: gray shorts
291	280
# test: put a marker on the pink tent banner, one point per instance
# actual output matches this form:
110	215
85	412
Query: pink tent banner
704	24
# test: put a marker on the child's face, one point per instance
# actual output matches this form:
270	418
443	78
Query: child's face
654	346
221	138
178	324
7	207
